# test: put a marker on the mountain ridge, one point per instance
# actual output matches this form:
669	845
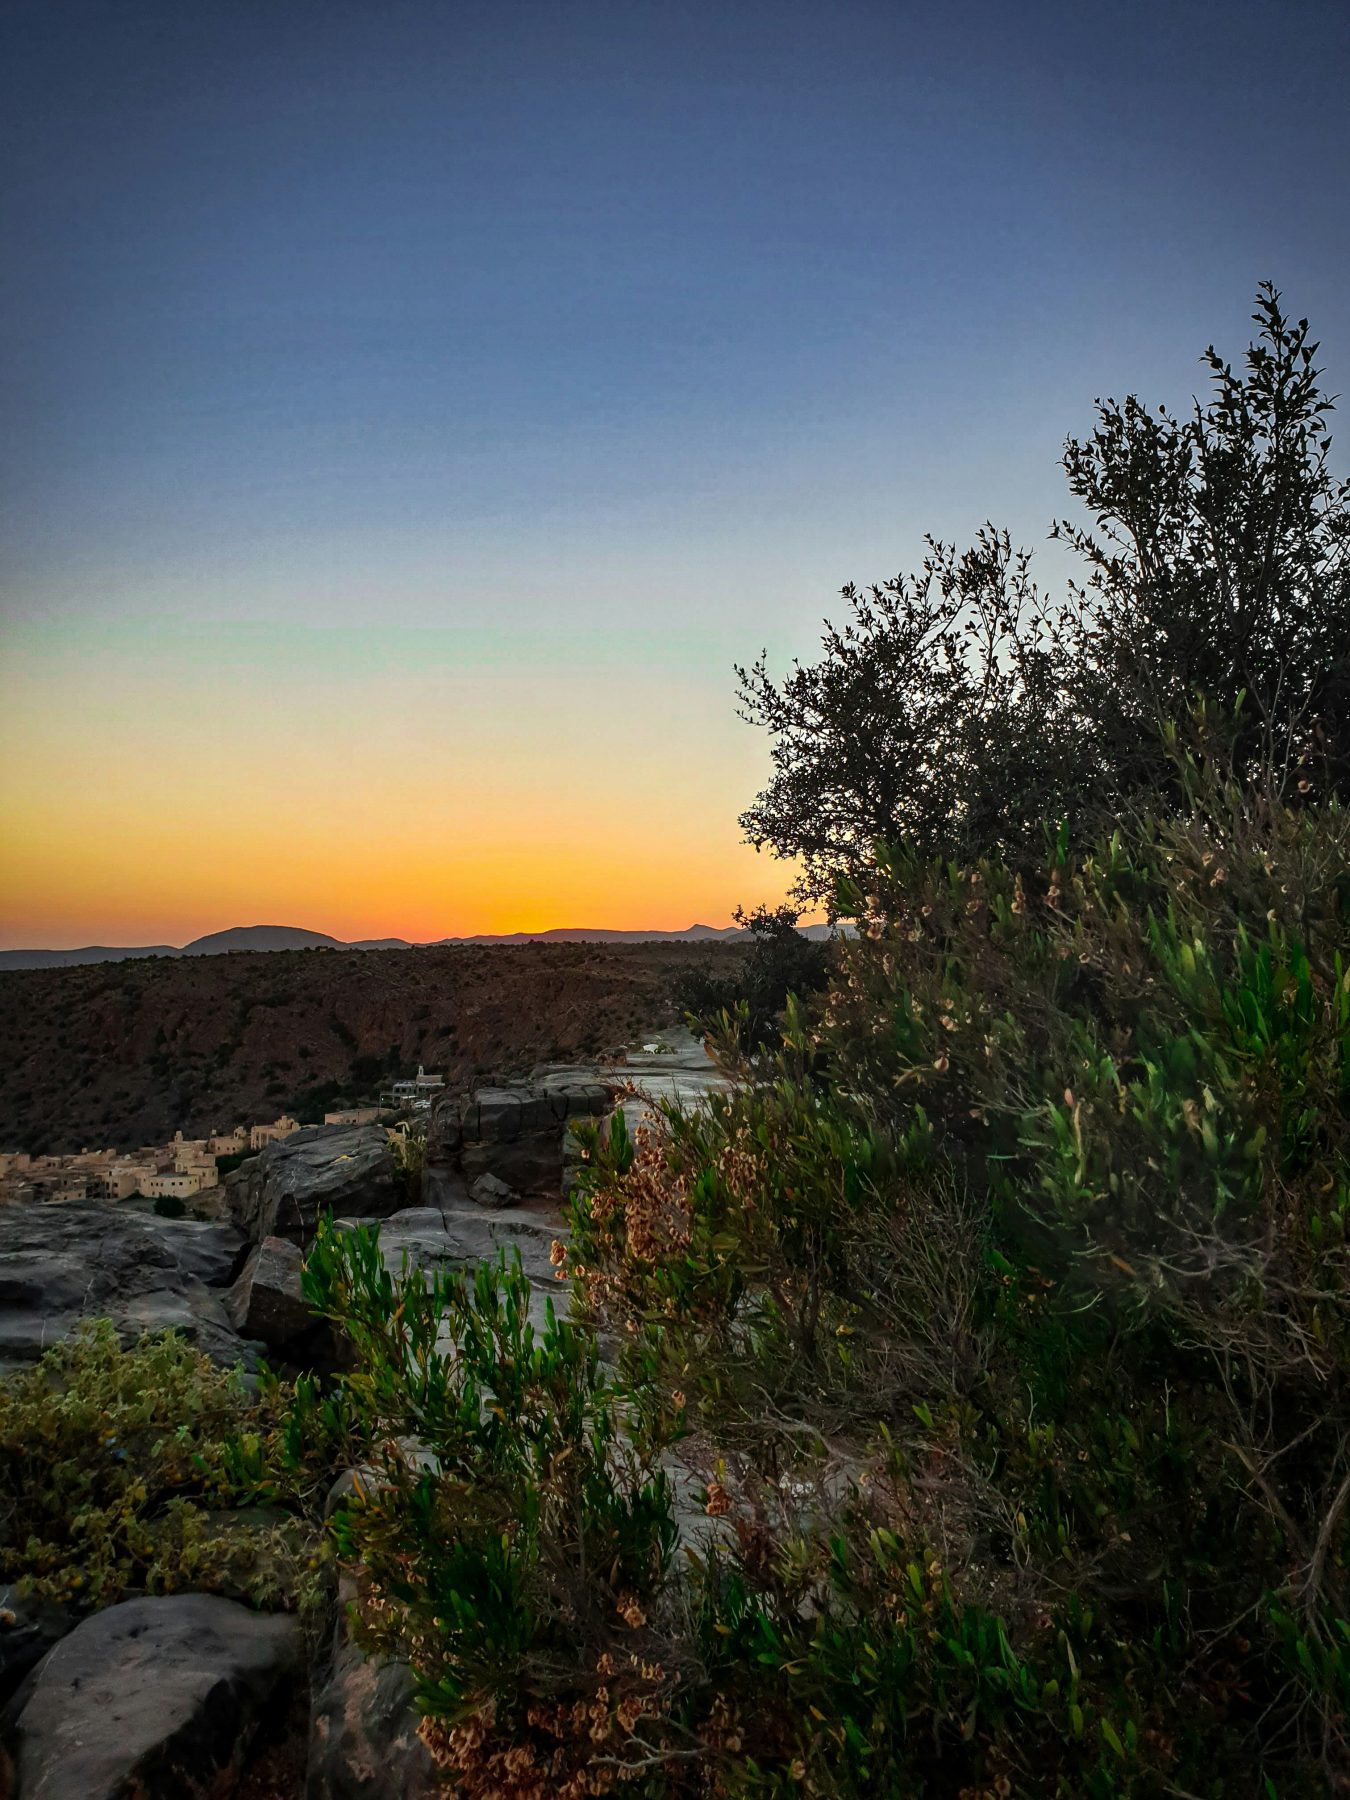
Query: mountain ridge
253	938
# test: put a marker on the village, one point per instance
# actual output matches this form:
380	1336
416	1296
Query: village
182	1173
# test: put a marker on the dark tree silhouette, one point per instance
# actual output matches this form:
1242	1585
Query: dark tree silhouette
958	711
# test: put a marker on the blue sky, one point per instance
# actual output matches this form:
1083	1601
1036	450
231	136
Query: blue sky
558	336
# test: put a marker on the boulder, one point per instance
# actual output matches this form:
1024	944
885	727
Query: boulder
490	1190
347	1170
363	1726
209	1249
266	1302
157	1696
512	1134
463	1237
60	1262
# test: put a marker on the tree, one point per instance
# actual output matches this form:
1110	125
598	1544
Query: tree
933	716
1220	565
958	710
782	961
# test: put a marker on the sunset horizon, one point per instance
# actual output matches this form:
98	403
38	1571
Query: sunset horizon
412	423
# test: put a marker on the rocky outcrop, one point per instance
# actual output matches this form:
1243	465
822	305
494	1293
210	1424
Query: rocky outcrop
266	1303
464	1236
347	1170
62	1263
363	1742
511	1136
158	1696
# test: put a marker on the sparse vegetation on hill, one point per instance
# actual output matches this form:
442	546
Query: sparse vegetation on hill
127	1054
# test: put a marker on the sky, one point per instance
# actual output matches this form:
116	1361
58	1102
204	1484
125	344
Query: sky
409	413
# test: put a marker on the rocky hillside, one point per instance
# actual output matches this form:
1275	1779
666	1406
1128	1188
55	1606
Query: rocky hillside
126	1054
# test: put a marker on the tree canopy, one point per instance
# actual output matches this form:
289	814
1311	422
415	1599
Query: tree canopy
959	708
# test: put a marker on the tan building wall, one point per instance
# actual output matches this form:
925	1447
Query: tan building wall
124	1179
166	1182
260	1136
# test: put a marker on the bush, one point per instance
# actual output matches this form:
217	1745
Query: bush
956	709
512	1529
170	1206
1005	1318
117	1464
1040	1304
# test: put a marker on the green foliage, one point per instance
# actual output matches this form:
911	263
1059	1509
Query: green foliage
170	1206
510	1521
120	1473
1026	1266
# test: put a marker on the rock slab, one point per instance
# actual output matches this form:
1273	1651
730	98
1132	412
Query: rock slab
61	1262
156	1697
510	1136
462	1237
347	1170
363	1742
266	1302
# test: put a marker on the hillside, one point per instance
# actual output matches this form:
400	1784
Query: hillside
294	937
125	1055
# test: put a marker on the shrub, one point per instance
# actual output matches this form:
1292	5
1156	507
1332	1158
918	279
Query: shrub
116	1465
511	1526
1038	1302
956	709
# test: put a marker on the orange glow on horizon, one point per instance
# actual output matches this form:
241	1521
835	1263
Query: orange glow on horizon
161	807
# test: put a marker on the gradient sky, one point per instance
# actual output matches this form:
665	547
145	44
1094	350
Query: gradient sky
411	411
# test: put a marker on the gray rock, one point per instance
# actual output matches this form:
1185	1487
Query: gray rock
490	1190
347	1170
60	1263
363	1726
461	1238
512	1134
212	1251
266	1302
153	1697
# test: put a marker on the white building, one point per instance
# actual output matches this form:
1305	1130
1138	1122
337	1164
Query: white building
416	1094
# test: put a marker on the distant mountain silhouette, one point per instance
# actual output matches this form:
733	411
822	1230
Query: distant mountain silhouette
584	934
294	937
91	953
262	937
